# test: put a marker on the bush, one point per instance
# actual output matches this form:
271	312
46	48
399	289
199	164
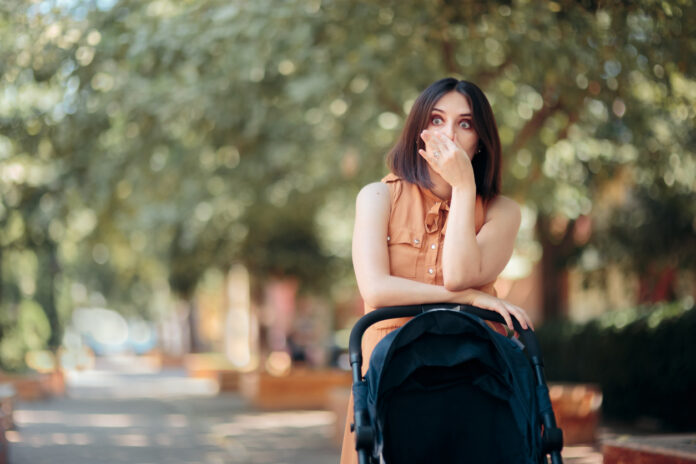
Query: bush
643	360
24	330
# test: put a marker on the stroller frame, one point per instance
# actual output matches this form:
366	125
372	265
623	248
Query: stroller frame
552	437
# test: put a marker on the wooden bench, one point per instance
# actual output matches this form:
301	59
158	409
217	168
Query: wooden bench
8	396
7	399
160	359
338	404
655	449
302	388
213	366
28	387
33	386
577	411
53	383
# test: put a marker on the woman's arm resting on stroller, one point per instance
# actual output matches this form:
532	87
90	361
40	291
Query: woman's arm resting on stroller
470	259
371	262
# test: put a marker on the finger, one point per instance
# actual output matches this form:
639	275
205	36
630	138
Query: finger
431	144
432	161
434	141
496	306
530	324
506	315
511	310
451	145
521	316
508	321
524	314
529	320
444	140
444	144
427	155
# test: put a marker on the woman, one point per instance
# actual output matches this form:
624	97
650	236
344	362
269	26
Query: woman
445	177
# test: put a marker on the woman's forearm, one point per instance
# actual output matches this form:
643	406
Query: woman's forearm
397	291
388	290
461	259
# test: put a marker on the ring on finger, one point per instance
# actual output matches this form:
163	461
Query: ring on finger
436	154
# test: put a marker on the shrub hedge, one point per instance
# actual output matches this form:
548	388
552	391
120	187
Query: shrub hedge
644	360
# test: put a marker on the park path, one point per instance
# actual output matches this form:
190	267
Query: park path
125	412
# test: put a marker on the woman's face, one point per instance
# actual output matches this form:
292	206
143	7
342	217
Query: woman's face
452	116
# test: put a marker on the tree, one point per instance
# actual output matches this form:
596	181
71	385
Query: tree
177	136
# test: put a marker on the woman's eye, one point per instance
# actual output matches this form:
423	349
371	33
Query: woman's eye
465	124
437	120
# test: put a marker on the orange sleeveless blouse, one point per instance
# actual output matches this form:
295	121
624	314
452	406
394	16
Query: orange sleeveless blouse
415	236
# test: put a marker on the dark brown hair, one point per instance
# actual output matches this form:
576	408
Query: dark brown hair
404	160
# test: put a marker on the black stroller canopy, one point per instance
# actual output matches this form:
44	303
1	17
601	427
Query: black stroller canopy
447	388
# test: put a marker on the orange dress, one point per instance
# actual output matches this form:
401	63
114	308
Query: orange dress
416	234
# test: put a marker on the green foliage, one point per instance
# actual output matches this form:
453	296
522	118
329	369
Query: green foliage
655	227
641	358
145	142
288	246
27	329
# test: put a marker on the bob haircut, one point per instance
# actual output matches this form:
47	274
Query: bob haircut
405	161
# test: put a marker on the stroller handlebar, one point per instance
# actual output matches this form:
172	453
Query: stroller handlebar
391	312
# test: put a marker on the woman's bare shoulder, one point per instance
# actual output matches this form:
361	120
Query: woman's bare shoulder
504	206
375	191
501	201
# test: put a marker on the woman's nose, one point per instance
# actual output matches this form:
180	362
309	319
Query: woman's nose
447	130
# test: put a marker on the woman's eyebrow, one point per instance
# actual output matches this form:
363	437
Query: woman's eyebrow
463	114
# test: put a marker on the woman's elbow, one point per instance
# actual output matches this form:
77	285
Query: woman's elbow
370	299
372	296
375	301
455	285
459	282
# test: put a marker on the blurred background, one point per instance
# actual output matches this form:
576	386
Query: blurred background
177	183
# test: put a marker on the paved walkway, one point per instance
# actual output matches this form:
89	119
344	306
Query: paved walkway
125	412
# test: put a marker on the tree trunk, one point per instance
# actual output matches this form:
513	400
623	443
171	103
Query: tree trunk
2	280
192	319
557	248
554	296
46	295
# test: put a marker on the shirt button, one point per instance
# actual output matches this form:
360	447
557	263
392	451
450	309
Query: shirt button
416	241
388	238
433	246
431	271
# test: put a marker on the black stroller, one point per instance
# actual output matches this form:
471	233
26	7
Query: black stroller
446	388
